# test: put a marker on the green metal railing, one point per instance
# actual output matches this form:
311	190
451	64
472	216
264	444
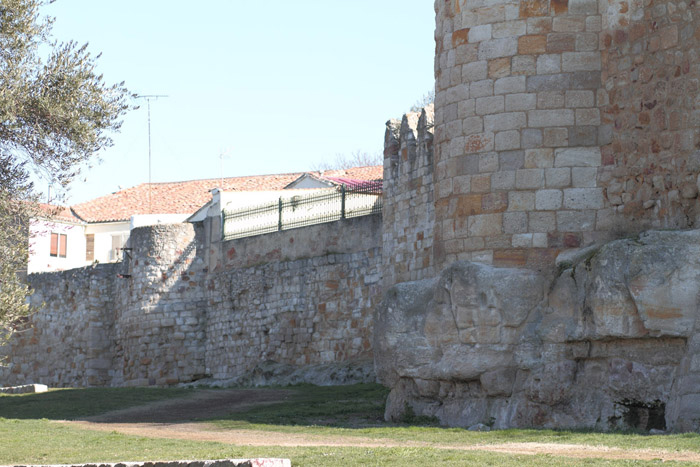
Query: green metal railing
290	212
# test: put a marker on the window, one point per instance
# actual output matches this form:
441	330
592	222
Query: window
90	247
59	245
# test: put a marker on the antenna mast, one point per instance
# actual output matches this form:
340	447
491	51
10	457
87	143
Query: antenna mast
148	104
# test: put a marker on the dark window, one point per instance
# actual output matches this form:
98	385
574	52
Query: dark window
59	245
90	247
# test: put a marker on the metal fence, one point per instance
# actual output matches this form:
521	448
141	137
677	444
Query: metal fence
326	205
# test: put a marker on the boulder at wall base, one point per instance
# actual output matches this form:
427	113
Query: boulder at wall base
611	341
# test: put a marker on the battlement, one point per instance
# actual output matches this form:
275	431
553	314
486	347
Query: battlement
562	123
409	213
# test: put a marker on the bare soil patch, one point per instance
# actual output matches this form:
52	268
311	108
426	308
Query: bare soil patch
173	419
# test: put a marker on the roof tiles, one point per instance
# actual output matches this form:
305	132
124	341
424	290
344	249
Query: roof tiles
188	196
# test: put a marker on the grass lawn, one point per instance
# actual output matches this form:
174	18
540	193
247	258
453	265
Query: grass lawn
28	436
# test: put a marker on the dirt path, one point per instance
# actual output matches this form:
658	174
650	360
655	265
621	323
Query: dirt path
173	419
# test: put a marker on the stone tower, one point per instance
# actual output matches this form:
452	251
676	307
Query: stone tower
561	123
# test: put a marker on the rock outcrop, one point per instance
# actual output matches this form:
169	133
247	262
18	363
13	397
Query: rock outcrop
611	341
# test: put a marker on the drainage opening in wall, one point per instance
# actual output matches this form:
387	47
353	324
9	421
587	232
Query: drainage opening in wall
644	416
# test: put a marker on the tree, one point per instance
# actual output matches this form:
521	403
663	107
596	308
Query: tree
56	112
427	99
355	159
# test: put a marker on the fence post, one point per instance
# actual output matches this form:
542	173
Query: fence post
342	202
279	222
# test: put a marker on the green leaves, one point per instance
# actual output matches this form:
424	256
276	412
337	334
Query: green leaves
56	113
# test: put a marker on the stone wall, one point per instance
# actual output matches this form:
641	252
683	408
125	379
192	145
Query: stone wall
650	75
298	297
307	301
609	342
561	123
409	209
69	342
160	309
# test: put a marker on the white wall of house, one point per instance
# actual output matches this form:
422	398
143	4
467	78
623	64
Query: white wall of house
40	259
109	236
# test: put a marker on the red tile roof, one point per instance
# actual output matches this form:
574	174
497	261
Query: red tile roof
57	213
188	196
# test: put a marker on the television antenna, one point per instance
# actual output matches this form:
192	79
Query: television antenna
148	98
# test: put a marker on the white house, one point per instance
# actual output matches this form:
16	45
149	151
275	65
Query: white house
97	230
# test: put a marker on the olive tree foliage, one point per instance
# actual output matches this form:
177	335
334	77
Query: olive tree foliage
56	112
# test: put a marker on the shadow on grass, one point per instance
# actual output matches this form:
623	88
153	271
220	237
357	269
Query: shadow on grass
73	404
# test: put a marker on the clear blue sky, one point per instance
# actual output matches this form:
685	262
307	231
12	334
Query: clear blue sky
281	84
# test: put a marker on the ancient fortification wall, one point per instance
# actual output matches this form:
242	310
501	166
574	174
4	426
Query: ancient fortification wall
299	297
561	123
409	205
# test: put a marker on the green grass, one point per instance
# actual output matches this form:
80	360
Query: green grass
358	411
44	442
71	404
27	436
341	406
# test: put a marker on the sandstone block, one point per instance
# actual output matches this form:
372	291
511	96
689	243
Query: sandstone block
568	23
511	160
550	100
555	137
583	198
557	177
507	140
505	121
475	71
548	200
520	102
484	225
529	179
542	222
524	65
530	138
577	157
510	85
496	48
553	82
515	222
532	44
490	105
548	64
580	99
539	158
480	33
509	29
503	180
584	177
550	118
472	125
481	88
587	117
575	221
521	201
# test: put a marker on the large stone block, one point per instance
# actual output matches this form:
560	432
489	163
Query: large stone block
608	342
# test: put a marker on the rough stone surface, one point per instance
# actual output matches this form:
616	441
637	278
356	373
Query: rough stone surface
607	86
609	342
409	211
184	308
